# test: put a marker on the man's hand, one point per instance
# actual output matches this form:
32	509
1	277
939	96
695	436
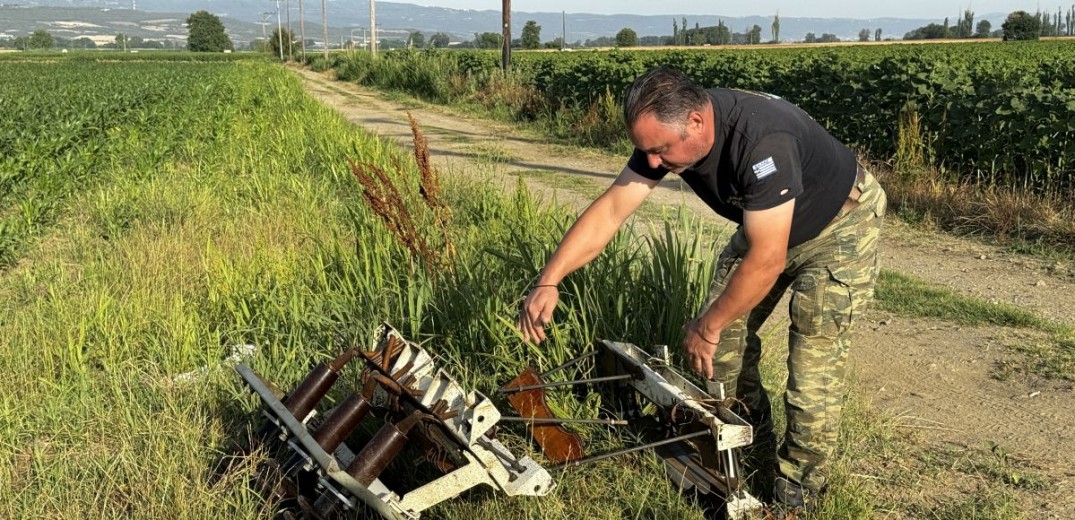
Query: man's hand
536	313
699	348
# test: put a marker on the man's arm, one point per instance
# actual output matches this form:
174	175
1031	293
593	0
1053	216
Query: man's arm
589	234
767	233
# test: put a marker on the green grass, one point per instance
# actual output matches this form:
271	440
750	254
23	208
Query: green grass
908	296
564	181
490	153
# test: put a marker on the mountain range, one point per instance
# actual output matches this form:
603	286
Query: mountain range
247	19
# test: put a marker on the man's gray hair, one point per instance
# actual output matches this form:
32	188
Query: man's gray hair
666	93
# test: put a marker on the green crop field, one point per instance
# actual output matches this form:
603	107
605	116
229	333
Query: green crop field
994	113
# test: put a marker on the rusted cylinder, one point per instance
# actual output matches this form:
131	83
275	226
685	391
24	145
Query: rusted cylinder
306	396
317	383
342	422
378	454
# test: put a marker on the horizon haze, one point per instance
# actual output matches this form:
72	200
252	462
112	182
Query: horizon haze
916	9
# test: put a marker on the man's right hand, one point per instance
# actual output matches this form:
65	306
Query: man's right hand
536	313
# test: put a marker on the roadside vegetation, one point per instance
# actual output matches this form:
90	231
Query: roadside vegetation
228	208
971	138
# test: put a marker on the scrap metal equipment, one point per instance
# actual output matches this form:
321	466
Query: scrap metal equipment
417	404
695	433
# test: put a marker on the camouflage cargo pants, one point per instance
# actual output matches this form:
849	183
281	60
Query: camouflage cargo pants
831	278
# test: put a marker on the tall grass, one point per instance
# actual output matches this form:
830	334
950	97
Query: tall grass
257	233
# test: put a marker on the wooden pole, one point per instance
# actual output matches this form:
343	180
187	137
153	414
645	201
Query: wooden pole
324	28
302	30
373	30
505	55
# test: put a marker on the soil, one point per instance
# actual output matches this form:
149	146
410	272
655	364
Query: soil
947	386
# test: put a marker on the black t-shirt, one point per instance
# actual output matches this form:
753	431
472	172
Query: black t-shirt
766	152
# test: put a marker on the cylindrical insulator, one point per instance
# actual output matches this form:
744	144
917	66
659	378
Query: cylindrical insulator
304	398
342	422
317	383
378	453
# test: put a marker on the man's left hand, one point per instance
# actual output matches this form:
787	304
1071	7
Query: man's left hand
699	348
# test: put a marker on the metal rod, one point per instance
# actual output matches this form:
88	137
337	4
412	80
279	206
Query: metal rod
543	375
565	383
554	420
617	453
499	453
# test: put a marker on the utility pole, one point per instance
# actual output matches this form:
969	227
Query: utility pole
324	28
563	30
302	30
373	31
505	54
290	35
279	31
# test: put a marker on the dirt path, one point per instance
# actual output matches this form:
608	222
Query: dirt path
935	378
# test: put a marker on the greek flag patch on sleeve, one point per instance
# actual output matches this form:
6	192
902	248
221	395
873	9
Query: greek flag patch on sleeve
764	168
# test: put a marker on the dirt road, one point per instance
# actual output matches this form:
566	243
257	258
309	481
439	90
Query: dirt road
935	379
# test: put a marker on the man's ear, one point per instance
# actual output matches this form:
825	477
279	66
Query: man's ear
695	120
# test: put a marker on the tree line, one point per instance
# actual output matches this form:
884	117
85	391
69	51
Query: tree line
207	35
1019	25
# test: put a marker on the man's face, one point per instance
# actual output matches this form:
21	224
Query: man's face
675	147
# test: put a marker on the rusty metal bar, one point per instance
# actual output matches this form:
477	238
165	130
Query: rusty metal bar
566	383
568	364
556	420
633	449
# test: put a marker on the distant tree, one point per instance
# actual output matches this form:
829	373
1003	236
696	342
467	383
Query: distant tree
810	38
724	34
698	38
121	41
984	29
439	41
83	43
555	43
828	38
1020	25
417	40
947	28
755	34
675	31
877	35
531	38
603	41
965	27
283	36
41	39
929	32
490	40
864	35
627	37
776	28
207	33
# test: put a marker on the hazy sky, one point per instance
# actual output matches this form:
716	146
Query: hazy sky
808	8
